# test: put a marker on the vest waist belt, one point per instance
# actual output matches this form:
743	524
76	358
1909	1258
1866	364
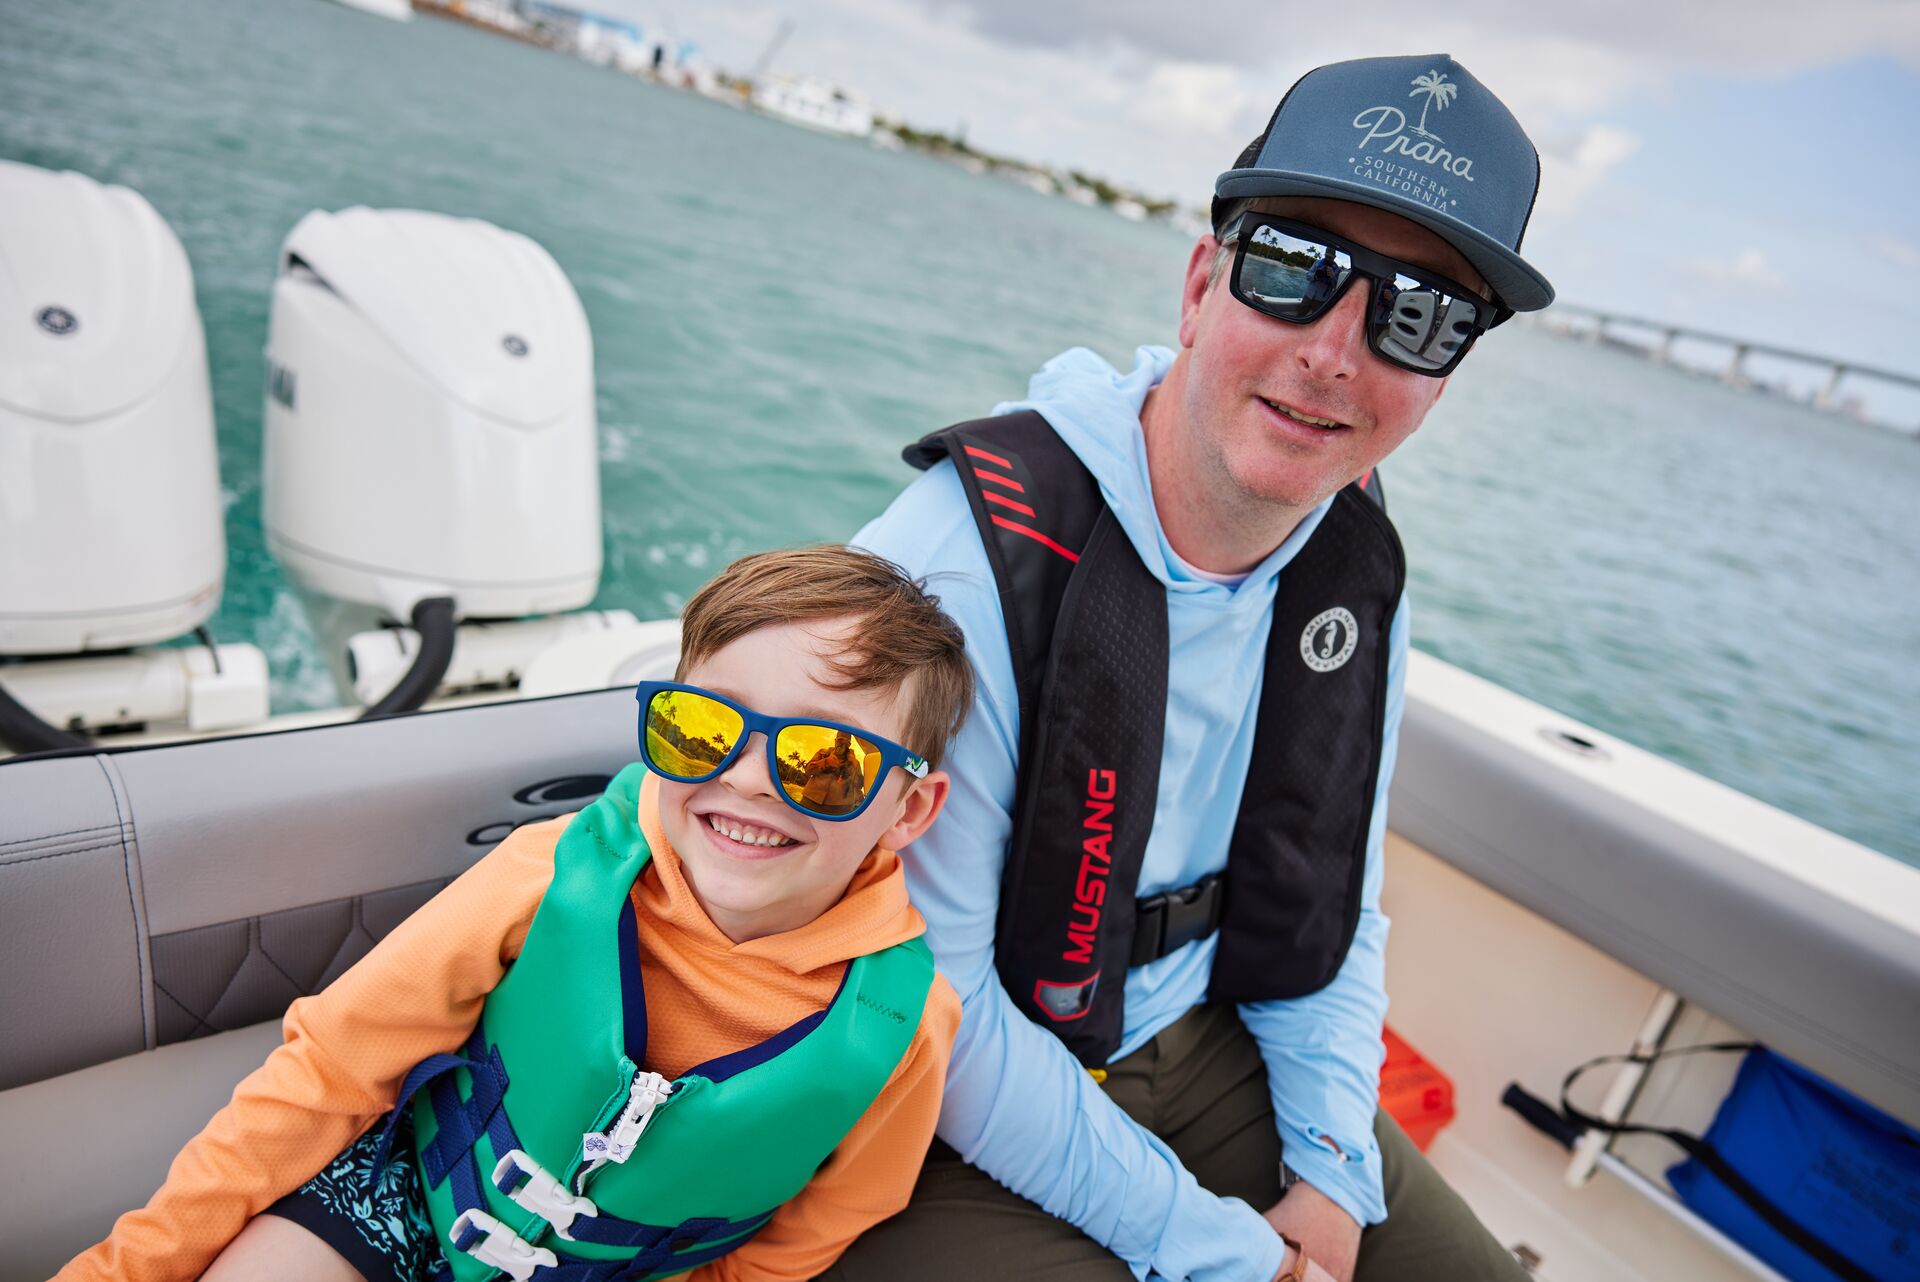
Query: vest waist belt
1169	921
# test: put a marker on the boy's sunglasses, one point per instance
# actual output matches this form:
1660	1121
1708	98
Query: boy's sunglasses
825	770
1416	318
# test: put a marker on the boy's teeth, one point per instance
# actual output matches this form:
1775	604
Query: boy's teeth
748	835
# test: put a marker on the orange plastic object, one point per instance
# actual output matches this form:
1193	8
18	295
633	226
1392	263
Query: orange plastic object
1414	1092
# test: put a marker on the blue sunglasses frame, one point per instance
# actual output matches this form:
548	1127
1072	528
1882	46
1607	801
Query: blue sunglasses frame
769	728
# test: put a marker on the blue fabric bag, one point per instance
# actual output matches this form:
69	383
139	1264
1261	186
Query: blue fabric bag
1842	1169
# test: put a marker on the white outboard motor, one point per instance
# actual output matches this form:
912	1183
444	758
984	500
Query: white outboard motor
431	444
111	529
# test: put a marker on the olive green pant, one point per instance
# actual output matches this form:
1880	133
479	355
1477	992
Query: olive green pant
1201	1086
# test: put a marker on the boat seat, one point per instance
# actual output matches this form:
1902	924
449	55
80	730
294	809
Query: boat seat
156	895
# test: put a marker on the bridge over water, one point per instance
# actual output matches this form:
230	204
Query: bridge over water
1596	325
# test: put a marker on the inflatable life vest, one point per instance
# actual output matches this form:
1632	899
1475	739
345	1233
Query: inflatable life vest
1087	627
549	1154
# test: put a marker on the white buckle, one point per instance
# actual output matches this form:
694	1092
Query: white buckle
540	1193
648	1092
502	1249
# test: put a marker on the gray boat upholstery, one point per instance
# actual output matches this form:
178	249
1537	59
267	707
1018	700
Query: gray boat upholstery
161	894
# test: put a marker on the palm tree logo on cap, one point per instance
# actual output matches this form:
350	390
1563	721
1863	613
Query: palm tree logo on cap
1439	90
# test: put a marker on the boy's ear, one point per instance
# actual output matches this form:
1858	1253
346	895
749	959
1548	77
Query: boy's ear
918	809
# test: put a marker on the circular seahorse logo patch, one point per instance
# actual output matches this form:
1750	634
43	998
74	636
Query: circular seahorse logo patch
1330	639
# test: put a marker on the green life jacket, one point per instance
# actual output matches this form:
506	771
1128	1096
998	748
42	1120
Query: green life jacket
521	1134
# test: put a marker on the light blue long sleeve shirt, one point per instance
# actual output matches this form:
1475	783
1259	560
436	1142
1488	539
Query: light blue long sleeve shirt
1018	1105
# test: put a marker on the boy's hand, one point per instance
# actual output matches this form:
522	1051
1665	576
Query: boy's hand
1331	1236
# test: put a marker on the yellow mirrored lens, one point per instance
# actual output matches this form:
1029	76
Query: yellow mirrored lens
689	734
827	771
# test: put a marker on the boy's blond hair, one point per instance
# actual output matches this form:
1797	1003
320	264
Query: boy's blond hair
900	639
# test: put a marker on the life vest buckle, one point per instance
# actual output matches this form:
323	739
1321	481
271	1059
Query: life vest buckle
534	1188
497	1246
648	1092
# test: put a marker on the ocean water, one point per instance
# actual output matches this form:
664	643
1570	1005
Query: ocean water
1727	580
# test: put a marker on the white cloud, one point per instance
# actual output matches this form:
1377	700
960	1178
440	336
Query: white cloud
1747	272
1199	96
1570	171
1731	35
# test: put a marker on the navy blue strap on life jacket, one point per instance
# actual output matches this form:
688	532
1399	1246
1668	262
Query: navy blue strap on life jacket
458	1122
674	1249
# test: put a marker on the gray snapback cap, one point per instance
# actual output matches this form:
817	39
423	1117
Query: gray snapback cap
1418	137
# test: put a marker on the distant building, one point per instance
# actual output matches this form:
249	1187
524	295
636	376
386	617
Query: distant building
594	37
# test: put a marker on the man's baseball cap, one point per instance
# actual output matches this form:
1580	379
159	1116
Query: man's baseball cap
1418	137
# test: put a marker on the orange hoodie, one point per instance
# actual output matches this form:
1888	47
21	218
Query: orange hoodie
420	990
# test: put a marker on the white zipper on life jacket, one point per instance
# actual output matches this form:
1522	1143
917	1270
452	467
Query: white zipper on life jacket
616	1143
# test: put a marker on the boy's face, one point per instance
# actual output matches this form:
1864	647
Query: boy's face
759	887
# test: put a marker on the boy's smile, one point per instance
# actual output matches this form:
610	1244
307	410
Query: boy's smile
757	865
753	839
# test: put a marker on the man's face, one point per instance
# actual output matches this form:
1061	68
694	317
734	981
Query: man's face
784	869
1259	389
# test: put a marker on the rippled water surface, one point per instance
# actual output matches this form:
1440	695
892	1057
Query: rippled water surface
1723	579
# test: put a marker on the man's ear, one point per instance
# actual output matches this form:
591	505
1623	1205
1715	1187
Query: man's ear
924	801
1194	288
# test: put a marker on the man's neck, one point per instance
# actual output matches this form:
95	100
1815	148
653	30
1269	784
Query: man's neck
1208	522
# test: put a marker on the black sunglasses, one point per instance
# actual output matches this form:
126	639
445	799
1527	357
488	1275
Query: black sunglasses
1417	319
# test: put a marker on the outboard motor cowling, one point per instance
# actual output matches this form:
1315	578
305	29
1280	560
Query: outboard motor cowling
111	521
111	529
430	429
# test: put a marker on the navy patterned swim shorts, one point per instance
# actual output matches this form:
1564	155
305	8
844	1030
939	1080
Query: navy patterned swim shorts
380	1227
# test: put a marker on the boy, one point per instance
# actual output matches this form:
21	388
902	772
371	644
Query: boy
718	1045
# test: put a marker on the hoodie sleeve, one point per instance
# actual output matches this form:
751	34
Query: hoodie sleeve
347	1048
1057	1140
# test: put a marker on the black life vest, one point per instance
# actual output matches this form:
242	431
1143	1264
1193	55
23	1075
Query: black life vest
1087	627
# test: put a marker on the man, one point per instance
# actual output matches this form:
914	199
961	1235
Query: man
833	777
1184	606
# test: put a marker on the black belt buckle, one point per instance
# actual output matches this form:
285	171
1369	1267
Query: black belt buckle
1169	921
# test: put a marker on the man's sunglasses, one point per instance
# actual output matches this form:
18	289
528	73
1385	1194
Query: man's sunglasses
825	770
1416	318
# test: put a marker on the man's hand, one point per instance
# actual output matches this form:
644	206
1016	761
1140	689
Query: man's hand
1330	1236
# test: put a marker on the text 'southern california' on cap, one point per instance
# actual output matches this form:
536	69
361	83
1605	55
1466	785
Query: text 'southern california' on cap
1418	137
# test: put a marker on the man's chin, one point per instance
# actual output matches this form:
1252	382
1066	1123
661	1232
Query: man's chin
1291	487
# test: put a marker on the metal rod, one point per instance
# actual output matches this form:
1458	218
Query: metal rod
1625	1087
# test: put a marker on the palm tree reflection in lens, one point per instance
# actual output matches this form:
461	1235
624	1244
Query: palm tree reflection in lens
689	734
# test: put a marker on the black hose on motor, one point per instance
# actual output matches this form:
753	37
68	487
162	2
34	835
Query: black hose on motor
433	621
23	732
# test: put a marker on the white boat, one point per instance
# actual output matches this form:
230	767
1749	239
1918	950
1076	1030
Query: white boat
166	891
815	103
397	10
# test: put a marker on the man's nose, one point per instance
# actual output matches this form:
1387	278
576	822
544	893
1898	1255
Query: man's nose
1332	348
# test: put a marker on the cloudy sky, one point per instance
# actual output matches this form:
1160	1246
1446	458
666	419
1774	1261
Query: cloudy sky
1749	166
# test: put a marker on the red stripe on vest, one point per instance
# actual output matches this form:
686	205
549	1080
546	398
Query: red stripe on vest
1036	536
998	479
977	452
1004	501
